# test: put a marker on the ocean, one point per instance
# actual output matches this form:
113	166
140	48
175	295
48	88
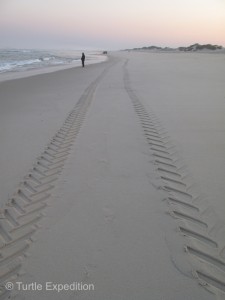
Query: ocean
17	60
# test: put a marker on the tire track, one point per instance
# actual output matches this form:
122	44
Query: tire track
20	215
204	241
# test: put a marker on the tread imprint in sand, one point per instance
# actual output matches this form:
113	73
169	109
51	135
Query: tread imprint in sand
204	240
20	215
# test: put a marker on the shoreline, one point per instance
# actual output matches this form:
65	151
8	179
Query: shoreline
11	75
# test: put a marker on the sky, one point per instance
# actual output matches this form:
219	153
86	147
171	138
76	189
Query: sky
110	24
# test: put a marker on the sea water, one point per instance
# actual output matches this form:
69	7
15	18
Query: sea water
27	59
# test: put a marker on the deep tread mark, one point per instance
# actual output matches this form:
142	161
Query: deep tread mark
182	202
21	214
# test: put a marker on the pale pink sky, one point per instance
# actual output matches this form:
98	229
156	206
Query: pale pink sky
111	24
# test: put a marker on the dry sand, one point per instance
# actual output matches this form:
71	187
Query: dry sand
128	156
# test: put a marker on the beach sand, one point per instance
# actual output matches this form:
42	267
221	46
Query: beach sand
112	176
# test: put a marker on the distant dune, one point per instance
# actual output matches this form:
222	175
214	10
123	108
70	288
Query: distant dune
194	47
197	47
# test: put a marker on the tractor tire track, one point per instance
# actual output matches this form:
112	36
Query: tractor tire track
204	239
20	215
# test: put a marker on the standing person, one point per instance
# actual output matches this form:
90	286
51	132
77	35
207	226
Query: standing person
83	59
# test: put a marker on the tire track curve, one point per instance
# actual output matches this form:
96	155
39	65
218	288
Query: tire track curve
204	241
20	215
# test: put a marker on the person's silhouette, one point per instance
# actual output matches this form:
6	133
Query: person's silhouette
83	59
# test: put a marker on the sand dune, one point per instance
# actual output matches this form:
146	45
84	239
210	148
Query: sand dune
112	179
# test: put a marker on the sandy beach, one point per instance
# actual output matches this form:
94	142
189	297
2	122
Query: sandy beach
112	180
